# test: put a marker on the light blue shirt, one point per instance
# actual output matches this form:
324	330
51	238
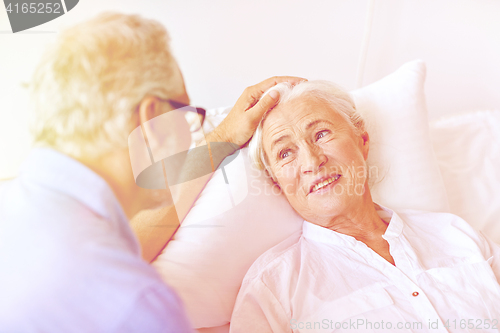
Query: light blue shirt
69	261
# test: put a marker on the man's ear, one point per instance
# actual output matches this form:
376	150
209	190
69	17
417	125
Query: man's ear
149	108
365	144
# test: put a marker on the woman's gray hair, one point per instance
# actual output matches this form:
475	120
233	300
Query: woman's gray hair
90	81
333	95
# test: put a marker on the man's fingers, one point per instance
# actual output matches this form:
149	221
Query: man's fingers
264	105
240	124
263	86
252	94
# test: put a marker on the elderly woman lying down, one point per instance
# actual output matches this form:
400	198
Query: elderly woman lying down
357	266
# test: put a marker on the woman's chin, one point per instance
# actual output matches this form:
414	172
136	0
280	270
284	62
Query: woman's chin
325	207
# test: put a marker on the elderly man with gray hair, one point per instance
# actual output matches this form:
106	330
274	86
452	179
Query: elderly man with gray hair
70	261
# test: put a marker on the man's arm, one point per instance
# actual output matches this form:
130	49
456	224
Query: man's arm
156	228
156	311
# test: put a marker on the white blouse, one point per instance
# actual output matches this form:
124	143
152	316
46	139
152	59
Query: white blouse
446	279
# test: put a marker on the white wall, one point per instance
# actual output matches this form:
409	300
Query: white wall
458	39
223	46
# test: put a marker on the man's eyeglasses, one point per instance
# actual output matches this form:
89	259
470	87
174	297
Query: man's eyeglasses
194	116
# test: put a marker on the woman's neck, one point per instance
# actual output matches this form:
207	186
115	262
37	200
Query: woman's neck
362	223
365	225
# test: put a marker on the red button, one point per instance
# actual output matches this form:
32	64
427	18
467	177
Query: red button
415	293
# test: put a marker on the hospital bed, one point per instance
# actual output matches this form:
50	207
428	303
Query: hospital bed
434	124
448	165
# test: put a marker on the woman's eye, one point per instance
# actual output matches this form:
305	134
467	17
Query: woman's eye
284	154
321	134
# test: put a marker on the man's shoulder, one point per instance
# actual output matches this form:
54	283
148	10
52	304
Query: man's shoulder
46	224
58	251
24	198
156	309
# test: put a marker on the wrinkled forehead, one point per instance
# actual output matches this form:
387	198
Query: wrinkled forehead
299	113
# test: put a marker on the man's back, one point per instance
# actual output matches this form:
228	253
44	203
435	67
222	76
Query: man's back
69	261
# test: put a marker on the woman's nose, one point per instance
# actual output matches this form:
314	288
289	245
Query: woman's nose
312	159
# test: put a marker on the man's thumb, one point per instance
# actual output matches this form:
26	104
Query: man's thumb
274	94
266	103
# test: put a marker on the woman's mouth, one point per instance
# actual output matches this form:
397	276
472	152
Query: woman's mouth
325	184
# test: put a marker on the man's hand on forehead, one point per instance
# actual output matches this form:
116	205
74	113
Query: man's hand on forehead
241	122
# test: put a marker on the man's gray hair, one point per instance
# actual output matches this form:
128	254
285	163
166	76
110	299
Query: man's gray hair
90	81
333	95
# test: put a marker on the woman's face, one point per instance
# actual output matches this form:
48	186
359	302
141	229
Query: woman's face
317	158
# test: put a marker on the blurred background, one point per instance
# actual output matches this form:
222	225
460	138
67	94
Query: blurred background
223	46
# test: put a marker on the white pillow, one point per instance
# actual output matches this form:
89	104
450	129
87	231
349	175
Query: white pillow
395	111
467	149
231	225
